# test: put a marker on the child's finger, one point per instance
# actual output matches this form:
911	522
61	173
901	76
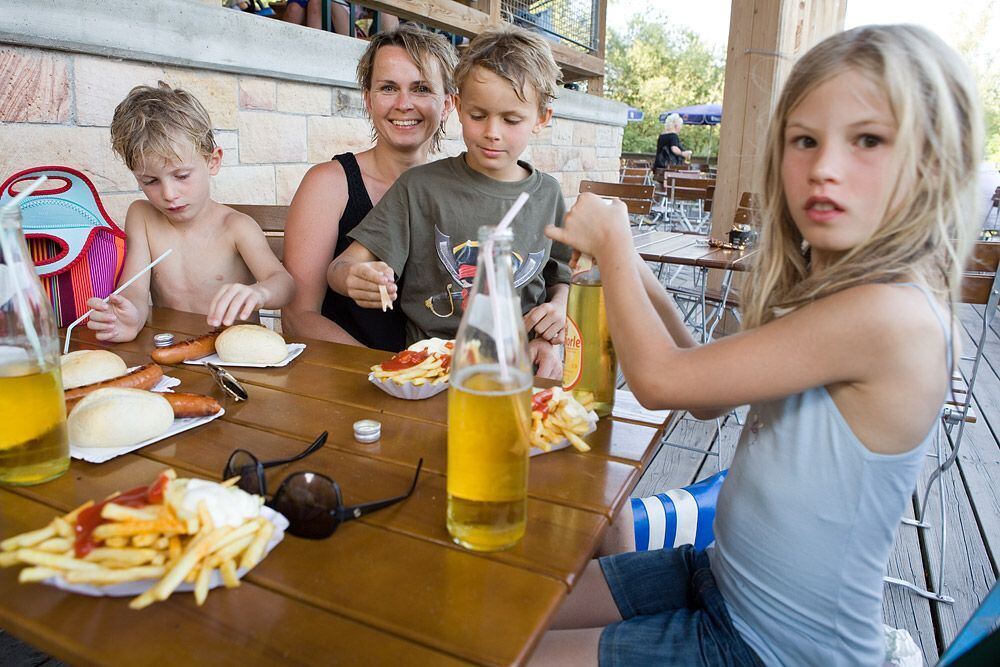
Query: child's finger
232	310
97	305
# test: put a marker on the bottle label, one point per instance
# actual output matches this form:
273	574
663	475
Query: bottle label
573	356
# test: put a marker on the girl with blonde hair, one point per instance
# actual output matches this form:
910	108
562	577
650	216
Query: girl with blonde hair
845	359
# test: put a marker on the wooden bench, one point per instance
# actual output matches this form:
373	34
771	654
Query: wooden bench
638	198
271	219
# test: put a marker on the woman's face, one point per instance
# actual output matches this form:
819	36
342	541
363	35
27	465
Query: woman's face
405	108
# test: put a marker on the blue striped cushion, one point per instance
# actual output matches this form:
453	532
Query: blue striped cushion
678	517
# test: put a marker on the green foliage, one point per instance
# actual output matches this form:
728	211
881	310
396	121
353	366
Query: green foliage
657	68
979	50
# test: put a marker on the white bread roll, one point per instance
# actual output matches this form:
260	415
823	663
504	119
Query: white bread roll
116	417
89	366
250	344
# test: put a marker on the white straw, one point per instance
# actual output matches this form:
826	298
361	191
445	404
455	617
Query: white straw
29	326
117	291
494	301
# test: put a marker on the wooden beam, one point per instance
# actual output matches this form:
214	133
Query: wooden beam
456	17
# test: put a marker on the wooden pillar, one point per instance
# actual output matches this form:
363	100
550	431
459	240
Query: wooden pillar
765	39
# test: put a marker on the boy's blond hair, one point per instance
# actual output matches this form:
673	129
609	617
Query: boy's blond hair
516	55
151	122
927	230
424	47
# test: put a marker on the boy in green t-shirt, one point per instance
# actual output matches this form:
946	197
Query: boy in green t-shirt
425	228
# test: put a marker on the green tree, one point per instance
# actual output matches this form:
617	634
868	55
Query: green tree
981	53
656	68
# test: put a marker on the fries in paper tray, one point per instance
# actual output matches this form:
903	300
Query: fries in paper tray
174	535
559	420
420	371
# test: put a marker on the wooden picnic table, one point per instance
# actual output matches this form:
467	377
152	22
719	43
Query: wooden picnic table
390	587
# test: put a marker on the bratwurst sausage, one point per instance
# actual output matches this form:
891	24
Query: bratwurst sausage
143	377
192	348
191	405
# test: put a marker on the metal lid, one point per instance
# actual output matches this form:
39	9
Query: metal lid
163	339
367	430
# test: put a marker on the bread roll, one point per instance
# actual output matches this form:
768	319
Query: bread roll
115	417
250	344
89	366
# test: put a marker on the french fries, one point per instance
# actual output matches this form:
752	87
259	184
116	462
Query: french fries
421	365
161	540
383	296
556	415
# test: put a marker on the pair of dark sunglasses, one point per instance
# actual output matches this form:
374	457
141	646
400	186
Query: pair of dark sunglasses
311	501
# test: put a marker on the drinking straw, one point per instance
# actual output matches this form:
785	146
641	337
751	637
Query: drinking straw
117	291
490	272
29	326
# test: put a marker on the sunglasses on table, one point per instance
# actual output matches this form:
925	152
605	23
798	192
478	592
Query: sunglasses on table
311	501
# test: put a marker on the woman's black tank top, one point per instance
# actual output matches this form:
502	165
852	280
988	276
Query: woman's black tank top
370	326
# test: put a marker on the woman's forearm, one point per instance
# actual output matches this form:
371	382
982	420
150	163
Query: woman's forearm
312	324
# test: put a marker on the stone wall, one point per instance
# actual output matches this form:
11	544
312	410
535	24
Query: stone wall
56	107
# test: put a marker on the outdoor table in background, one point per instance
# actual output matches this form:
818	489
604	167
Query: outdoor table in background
682	249
390	587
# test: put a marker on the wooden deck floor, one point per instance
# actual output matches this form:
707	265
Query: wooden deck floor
972	503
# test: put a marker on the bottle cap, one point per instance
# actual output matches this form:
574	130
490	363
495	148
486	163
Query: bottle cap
367	430
163	339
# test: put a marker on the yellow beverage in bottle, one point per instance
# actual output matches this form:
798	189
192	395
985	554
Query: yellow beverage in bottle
590	364
33	442
488	422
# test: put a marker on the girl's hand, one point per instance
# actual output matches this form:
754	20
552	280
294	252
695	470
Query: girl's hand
116	321
363	280
234	301
593	225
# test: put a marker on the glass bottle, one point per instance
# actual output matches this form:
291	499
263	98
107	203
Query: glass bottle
489	408
33	441
589	365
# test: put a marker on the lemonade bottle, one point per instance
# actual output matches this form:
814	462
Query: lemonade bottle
489	408
589	365
33	442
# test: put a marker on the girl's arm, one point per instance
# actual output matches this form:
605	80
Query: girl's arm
310	240
850	337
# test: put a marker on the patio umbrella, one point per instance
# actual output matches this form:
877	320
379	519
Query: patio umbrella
698	114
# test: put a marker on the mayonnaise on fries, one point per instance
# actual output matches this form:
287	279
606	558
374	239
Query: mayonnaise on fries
175	530
557	415
426	361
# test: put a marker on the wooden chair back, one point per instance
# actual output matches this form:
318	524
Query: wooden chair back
746	210
638	198
687	189
271	219
635	175
638	164
981	274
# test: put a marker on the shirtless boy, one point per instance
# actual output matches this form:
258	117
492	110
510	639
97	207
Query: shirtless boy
221	265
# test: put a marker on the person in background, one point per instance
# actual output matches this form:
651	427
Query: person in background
407	80
304	12
868	215
221	264
669	149
424	232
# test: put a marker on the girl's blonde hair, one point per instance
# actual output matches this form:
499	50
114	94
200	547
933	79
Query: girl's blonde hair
928	228
424	48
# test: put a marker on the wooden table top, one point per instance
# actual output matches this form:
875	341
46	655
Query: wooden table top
689	250
388	587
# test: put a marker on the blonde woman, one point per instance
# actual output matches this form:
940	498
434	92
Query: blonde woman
868	212
669	149
407	79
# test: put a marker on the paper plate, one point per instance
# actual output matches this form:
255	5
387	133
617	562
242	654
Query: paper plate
102	454
133	588
408	391
294	350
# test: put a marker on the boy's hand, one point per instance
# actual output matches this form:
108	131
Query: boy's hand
363	280
235	301
116	321
593	225
545	355
547	320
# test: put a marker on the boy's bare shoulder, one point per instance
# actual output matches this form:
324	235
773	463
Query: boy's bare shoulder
238	222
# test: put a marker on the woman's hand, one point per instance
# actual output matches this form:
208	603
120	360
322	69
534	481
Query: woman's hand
546	357
593	225
548	321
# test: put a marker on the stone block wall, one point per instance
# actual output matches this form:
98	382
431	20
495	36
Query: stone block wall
56	108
